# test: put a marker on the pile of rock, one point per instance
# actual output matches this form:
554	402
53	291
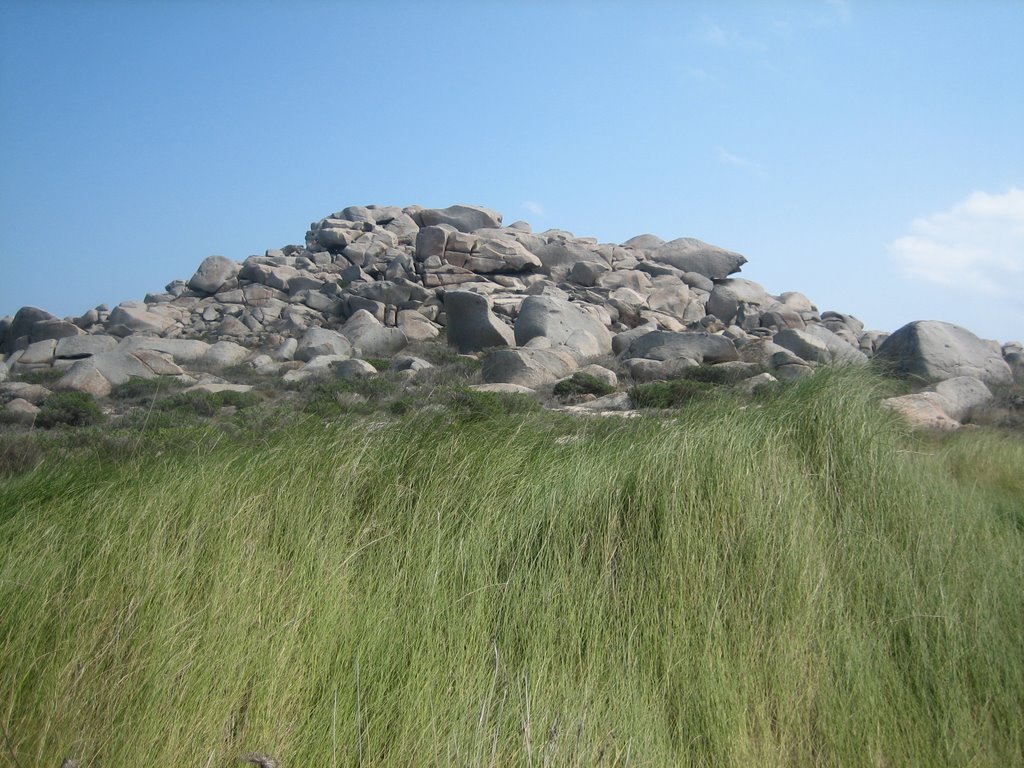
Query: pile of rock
369	280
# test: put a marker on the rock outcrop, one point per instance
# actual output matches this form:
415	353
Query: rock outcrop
368	281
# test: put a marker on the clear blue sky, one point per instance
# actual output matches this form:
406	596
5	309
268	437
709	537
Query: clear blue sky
868	154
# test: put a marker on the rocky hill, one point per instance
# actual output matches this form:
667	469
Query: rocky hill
538	307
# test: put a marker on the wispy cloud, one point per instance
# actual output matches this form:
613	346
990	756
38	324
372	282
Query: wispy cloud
533	207
976	246
729	158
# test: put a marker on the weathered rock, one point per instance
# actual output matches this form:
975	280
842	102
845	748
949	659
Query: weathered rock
213	273
130	318
24	321
671	296
84	378
962	394
34	393
500	256
667	345
77	347
224	354
588	272
601	373
160	363
54	329
212	388
645	242
563	323
924	410
691	255
840	351
21	411
322	341
527	367
39	353
353	369
372	338
415	326
471	325
504	389
558	257
182	350
934	350
755	383
464	218
643	369
739	301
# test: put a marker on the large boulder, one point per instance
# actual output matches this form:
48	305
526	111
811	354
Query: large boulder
371	337
527	367
936	351
24	322
133	317
923	410
558	257
562	323
84	378
738	301
213	273
692	255
317	342
464	218
54	329
225	353
182	350
962	394
77	347
669	345
472	326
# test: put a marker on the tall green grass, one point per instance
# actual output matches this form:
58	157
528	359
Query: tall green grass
792	582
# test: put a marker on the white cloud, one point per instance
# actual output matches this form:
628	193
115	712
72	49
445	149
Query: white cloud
976	246
535	208
729	158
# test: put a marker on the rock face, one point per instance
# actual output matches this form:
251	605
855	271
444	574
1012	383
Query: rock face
472	326
690	255
934	351
369	280
212	274
561	322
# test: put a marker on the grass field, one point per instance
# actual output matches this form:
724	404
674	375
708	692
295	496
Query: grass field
793	581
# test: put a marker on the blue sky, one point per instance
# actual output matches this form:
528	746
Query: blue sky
868	154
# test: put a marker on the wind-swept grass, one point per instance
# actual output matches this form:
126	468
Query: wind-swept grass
787	582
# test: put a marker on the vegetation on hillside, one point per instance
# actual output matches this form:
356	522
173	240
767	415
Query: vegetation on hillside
789	581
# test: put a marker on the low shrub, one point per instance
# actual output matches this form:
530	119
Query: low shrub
715	374
145	389
72	409
582	384
208	403
42	376
471	405
669	394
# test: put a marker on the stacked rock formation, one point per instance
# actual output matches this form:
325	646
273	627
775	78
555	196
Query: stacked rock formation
369	280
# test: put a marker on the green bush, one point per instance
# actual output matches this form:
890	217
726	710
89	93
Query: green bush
582	384
145	389
42	376
208	403
471	405
715	374
72	409
669	394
